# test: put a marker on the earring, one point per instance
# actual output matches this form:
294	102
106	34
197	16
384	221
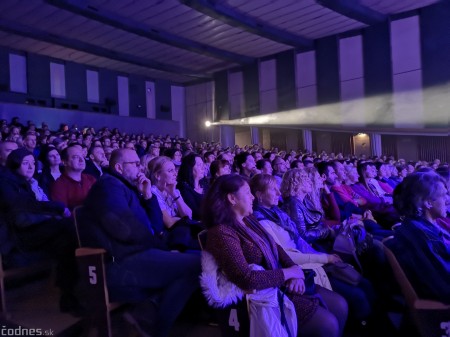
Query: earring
419	211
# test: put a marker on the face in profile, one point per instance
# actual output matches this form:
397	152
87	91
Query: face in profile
168	174
243	200
223	170
439	203
271	195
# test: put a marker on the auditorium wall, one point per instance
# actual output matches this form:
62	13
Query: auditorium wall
391	78
38	88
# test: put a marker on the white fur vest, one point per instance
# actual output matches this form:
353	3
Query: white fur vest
218	290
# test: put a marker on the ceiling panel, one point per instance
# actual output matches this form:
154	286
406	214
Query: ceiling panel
305	18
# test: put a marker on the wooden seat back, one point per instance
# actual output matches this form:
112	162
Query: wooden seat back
432	318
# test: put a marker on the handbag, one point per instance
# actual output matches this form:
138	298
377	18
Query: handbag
344	243
310	285
182	235
344	272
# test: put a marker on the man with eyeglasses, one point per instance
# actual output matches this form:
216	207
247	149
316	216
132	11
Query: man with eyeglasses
279	168
127	222
72	187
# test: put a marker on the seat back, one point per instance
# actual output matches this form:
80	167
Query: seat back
432	318
95	297
92	279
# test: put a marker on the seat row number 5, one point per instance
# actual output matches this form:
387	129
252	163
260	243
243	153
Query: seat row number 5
92	274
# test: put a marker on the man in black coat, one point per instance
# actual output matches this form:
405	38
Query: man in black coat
127	222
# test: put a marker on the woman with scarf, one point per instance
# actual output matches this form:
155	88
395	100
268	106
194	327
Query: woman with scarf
360	297
236	240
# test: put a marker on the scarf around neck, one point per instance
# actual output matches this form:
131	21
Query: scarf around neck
254	232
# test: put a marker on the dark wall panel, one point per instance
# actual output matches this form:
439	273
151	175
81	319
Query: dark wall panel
377	60
221	95
327	65
251	89
108	90
435	43
4	70
286	91
163	100
137	96
38	69
76	87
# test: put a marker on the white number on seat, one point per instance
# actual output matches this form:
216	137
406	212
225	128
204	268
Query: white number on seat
233	319
92	275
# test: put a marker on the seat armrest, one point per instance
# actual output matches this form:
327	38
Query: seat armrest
89	251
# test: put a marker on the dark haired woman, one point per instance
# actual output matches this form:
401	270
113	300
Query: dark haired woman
245	164
236	240
39	226
192	183
219	168
52	168
421	246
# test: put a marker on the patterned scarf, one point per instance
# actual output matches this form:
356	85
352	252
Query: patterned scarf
278	217
253	231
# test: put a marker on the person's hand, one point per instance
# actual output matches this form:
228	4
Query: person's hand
171	190
368	215
66	213
293	272
333	258
296	286
144	185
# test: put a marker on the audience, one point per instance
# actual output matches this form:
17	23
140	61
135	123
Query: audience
319	192
236	240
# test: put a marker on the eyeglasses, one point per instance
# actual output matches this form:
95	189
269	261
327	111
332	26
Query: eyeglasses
137	163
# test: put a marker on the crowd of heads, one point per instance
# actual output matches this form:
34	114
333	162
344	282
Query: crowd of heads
191	160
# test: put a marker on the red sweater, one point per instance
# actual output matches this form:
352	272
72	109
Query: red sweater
71	192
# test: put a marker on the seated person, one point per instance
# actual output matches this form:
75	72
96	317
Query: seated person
295	187
383	175
444	172
378	201
219	168
97	162
126	221
192	183
39	226
6	147
351	205
236	240
245	164
421	246
164	180
72	187
278	224
51	169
